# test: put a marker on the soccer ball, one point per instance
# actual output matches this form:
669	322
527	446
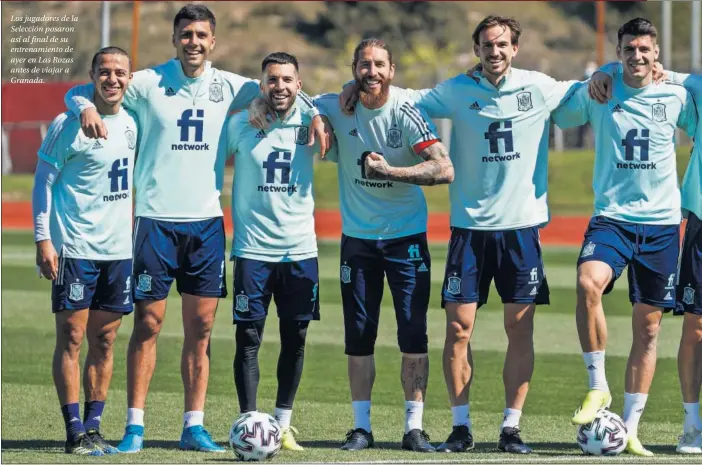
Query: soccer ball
606	435
255	436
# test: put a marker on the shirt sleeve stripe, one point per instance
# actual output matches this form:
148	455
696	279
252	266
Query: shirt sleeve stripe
54	133
418	120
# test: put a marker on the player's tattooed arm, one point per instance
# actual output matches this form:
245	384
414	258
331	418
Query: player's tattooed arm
435	169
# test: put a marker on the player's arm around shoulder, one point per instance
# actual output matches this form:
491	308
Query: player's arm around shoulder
688	119
575	110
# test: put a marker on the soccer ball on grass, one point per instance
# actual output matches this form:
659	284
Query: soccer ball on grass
606	435
255	436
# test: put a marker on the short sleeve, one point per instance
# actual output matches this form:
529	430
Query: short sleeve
417	125
57	147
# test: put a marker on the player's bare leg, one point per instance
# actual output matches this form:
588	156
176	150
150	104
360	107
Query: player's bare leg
141	354
198	320
458	373
593	278
690	373
414	375
645	324
70	331
361	370
517	371
97	373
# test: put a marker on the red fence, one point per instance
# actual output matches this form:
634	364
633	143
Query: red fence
29	103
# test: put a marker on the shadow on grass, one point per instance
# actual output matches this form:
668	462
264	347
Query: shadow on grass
38	445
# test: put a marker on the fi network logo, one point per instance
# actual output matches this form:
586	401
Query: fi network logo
191	126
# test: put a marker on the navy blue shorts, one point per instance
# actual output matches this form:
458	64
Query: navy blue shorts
94	284
293	285
512	257
690	274
649	251
191	252
364	264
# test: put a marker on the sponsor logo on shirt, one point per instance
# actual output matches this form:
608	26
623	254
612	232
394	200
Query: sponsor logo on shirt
501	143
191	129
278	161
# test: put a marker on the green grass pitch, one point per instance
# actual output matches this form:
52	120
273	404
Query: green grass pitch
33	428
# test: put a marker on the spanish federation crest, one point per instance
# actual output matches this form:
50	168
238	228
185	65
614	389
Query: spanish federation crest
216	94
588	250
144	283
76	291
345	274
302	135
658	112
688	296
394	138
241	303
131	139
524	101
454	285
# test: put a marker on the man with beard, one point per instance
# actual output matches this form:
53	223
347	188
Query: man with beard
82	208
387	149
275	247
499	148
179	233
636	220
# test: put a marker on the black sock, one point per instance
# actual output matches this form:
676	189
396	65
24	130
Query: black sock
249	335
290	361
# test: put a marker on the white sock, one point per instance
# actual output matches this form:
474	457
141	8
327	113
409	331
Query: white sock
135	416
283	416
193	418
413	415
634	405
361	414
461	416
595	364
692	416
511	418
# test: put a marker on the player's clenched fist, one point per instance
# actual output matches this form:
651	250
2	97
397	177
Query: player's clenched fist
377	166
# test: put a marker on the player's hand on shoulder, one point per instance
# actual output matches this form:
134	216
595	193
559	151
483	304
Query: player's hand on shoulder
348	98
47	259
377	166
92	125
260	113
600	87
321	129
659	74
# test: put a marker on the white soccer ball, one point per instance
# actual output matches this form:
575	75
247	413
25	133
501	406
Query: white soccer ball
255	436
606	435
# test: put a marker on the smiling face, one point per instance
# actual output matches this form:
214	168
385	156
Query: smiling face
111	76
638	54
280	85
373	72
496	51
194	41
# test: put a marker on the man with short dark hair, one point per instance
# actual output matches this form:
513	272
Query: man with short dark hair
275	247
82	212
179	232
636	223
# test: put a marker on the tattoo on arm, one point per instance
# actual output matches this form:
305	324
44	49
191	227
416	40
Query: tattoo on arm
435	169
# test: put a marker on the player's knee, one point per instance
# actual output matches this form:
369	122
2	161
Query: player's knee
147	327
413	342
293	335
647	334
590	286
103	341
249	335
520	329
70	338
458	334
199	327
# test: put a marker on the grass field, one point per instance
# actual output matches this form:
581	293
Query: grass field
33	428
569	184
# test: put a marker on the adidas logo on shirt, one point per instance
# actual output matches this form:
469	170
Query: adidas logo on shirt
261	134
353	132
475	106
97	145
170	92
617	109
